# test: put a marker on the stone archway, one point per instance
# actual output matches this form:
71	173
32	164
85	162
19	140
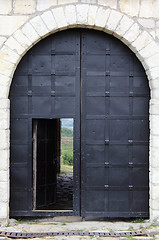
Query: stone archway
86	16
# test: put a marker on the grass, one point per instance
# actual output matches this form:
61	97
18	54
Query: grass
154	225
111	230
66	169
66	145
138	220
4	238
66	148
64	224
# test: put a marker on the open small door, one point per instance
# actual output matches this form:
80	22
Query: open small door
45	162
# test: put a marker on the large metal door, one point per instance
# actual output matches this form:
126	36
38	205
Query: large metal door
46	85
115	129
95	79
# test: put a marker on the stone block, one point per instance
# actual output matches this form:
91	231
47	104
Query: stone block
10	24
6	68
49	20
24	6
123	26
4	105
154	175
30	33
154	84
130	7
4	80
155	157
60	2
155	204
22	39
4	139
9	55
4	160
4	210
82	13
43	5
147	23
154	215
14	45
6	6
155	94
151	62
131	35
92	14
154	107
2	40
39	26
142	41
102	17
154	125
4	114
59	16
113	20
4	123
157	33
3	185
70	13
154	141
148	51
4	92
149	9
108	3
153	34
153	73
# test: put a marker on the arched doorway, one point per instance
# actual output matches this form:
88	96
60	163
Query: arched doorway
94	79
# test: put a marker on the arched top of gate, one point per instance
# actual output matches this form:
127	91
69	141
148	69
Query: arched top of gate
68	16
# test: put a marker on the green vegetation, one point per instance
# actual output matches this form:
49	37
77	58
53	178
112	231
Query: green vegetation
111	230
66	150
4	238
67	159
138	220
154	225
66	169
66	132
63	224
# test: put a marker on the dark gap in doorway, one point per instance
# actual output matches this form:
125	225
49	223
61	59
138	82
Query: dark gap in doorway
53	164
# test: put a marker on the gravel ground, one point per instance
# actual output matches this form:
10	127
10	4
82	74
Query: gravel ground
67	224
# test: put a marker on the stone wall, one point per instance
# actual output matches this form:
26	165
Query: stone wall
25	22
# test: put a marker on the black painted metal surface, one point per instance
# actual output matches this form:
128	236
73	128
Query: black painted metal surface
94	78
115	129
45	86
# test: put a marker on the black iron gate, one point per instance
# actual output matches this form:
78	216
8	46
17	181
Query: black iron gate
95	79
115	135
